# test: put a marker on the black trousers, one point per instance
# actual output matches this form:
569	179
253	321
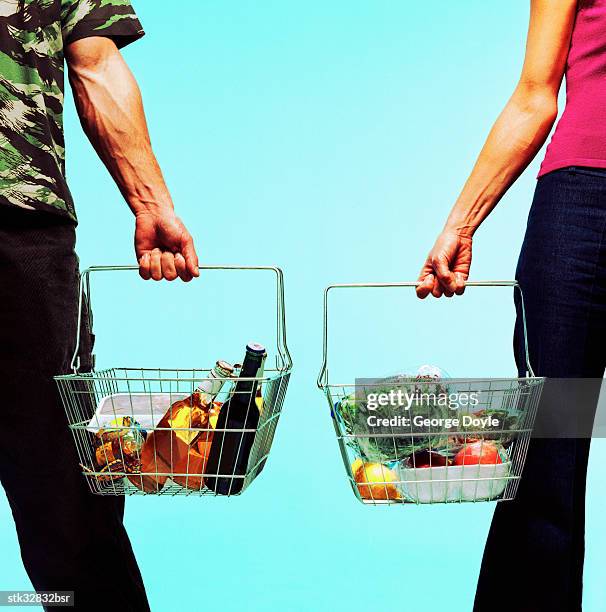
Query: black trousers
70	539
533	561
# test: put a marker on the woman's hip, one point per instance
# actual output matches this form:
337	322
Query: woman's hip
562	272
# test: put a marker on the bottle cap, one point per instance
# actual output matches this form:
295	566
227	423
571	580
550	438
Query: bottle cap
257	349
224	368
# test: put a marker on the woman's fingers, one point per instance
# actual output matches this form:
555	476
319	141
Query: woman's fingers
441	265
425	286
426	279
447	268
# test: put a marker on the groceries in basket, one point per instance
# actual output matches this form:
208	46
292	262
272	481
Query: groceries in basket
118	448
374	424
409	445
375	480
182	447
179	445
478	471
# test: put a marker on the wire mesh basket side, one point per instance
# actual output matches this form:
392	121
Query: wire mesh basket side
273	402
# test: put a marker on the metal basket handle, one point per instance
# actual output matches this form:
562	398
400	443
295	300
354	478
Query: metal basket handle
283	358
323	376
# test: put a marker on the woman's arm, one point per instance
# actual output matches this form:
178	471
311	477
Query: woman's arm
514	140
111	111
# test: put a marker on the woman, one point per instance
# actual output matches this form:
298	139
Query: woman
534	555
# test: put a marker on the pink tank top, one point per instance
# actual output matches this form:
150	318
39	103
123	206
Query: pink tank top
580	136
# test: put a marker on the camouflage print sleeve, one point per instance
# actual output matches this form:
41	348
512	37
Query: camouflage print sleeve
115	19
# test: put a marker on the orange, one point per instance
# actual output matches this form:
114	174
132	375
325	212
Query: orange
375	481
356	465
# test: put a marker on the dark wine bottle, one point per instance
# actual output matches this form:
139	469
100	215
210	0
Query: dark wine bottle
230	450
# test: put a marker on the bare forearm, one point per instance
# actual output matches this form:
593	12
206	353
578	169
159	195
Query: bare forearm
514	140
111	111
109	104
524	124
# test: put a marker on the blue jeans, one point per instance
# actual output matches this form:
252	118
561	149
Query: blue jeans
533	560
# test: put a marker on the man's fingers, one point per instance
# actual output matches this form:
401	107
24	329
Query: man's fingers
156	264
460	280
169	271
144	266
181	267
191	257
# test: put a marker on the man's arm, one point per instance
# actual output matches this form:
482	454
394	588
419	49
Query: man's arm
111	112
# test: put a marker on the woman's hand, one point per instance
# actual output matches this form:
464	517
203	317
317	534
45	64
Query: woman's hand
447	266
164	247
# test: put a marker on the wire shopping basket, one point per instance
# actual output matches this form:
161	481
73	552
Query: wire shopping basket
429	439
175	431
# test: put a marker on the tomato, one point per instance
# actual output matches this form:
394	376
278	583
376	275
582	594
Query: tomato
478	452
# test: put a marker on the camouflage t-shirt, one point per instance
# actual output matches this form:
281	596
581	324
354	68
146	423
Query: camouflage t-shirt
33	35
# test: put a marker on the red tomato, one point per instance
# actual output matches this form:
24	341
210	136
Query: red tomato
478	452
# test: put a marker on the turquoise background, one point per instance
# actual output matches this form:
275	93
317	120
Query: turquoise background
329	138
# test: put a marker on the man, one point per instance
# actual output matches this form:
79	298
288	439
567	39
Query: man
69	538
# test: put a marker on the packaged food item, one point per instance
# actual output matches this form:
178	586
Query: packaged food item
236	428
192	413
189	461
154	470
107	472
186	417
118	447
431	373
179	446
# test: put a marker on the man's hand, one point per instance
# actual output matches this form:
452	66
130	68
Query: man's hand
164	247
447	266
